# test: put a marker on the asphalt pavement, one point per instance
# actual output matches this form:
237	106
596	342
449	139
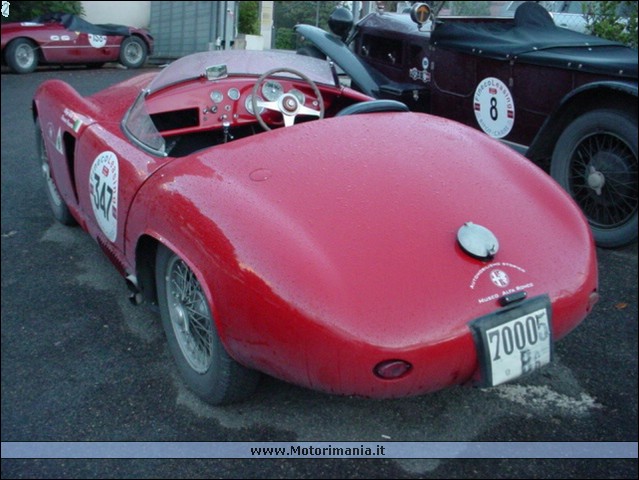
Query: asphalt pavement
80	363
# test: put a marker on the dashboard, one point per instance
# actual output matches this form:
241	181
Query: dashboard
226	103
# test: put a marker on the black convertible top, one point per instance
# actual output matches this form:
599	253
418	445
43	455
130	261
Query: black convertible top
78	24
532	37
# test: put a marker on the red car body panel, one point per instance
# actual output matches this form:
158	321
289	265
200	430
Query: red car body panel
412	302
329	247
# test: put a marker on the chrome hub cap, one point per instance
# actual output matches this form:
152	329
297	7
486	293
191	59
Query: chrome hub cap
25	56
596	180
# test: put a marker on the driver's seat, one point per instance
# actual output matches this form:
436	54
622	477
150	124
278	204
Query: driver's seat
373	106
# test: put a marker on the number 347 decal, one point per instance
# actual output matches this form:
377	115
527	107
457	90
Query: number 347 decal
103	185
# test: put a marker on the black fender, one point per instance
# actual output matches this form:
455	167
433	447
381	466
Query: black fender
621	95
334	48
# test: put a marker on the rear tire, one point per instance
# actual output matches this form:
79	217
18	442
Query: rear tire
59	207
202	360
595	160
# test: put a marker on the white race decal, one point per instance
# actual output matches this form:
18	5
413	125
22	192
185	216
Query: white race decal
494	107
97	41
103	185
54	38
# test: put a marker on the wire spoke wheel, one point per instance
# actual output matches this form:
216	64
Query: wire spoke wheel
603	176
595	160
190	317
189	323
21	55
133	52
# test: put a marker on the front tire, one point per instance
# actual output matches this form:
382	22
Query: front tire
21	56
59	207
133	52
595	160
204	364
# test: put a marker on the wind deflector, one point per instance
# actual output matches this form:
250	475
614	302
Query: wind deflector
335	49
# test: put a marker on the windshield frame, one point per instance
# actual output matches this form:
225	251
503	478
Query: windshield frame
210	67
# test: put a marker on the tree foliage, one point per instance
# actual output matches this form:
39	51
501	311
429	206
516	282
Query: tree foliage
288	14
613	20
21	10
248	21
471	9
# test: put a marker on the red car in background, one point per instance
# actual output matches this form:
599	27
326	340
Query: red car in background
64	38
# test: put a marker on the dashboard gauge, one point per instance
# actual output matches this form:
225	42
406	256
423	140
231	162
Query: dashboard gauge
217	96
248	104
272	90
234	94
299	95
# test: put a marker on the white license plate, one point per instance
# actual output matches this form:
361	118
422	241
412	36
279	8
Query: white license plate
514	341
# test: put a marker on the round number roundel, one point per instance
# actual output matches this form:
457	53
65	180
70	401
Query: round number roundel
494	107
97	41
103	185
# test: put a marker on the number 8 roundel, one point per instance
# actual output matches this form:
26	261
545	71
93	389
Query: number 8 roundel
494	107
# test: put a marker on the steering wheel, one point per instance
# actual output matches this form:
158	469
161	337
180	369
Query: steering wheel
287	104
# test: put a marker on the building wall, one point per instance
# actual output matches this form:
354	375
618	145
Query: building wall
134	14
181	28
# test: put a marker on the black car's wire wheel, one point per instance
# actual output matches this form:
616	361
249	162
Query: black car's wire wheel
595	160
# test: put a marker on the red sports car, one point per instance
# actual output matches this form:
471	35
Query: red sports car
63	38
286	224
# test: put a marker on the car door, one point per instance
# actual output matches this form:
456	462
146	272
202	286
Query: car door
108	173
92	48
58	43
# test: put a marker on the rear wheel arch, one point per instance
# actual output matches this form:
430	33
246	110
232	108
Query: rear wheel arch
144	40
145	253
59	207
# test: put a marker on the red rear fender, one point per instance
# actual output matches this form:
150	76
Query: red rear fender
56	100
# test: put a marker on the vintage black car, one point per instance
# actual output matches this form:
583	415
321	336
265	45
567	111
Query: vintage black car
568	101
